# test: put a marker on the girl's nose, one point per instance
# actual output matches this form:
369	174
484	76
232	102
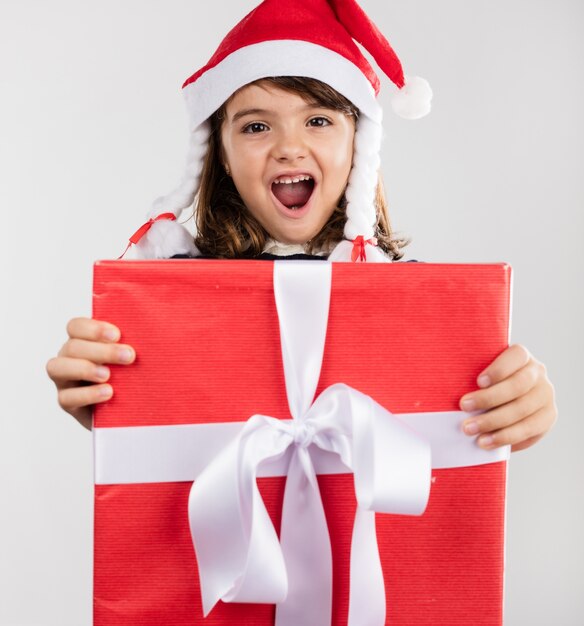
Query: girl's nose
289	146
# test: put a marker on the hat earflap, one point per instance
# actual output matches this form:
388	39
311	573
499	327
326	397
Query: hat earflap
166	237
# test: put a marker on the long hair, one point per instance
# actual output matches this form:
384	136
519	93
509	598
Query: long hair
226	229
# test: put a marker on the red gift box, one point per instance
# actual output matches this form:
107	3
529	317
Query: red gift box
411	336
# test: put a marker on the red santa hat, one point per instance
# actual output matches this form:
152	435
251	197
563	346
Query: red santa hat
308	38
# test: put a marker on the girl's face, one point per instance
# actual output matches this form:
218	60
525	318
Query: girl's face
289	159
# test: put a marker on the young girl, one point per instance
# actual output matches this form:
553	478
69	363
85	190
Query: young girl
287	167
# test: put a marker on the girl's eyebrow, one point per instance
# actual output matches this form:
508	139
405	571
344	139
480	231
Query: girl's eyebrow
256	111
245	112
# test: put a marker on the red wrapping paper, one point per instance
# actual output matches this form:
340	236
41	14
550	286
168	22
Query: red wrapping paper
413	336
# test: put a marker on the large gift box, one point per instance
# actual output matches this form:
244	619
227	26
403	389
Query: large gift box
287	448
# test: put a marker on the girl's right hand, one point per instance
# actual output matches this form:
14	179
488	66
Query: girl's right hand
80	370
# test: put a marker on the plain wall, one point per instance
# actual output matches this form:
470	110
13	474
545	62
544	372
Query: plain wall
92	129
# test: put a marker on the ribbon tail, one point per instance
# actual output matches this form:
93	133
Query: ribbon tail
236	545
367	594
306	546
124	252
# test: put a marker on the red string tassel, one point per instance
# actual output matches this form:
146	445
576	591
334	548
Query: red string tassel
135	238
358	252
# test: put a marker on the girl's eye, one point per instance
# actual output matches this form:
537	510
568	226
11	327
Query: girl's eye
319	122
255	127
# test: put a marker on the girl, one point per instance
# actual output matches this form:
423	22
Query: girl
288	167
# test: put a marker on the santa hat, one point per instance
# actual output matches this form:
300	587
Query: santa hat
308	38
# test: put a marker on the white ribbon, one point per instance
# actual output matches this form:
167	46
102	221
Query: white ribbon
239	555
180	452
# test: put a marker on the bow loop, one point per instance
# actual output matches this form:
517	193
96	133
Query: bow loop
359	243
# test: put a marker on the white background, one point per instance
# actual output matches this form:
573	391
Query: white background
92	128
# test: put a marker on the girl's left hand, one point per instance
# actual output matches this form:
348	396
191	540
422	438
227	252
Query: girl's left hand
517	400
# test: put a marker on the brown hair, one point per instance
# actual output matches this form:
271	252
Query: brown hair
226	229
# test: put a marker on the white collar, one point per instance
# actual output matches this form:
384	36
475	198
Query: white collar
277	248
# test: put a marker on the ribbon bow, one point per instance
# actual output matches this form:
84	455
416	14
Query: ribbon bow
358	251
239	556
135	238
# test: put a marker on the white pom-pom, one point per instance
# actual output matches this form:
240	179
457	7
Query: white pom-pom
414	99
165	239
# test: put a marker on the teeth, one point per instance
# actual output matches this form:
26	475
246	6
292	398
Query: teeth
288	181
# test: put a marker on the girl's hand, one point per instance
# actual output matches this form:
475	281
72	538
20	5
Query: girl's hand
517	399
79	370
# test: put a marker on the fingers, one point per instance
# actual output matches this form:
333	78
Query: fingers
516	405
518	383
506	414
526	444
80	372
519	435
512	424
92	330
98	352
512	359
63	369
73	398
95	341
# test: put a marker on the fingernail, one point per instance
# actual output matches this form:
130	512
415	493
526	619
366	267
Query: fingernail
468	405
486	441
105	391
471	428
111	334
484	380
125	355
102	372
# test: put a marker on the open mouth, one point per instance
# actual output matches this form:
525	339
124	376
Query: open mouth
293	192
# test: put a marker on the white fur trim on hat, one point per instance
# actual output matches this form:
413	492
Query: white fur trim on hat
278	58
